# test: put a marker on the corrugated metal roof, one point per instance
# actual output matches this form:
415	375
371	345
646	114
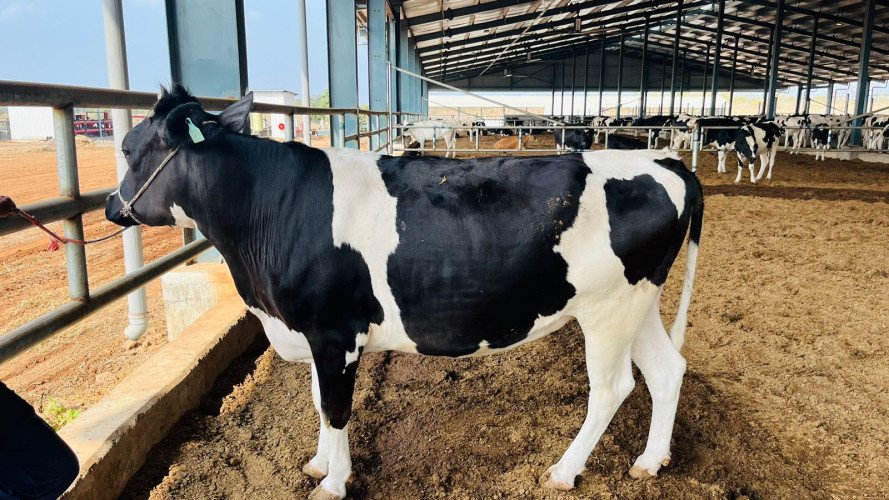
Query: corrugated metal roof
460	38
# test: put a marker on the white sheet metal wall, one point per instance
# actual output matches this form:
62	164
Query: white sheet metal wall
30	123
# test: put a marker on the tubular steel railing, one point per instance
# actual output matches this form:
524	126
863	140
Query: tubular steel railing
71	204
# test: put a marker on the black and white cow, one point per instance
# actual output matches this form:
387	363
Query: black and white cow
656	123
872	135
681	139
609	121
821	140
573	139
722	138
341	252
620	142
797	129
757	140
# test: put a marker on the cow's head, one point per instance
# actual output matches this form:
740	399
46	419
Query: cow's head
157	151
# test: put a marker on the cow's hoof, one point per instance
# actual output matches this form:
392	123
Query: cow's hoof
639	472
314	472
548	482
320	493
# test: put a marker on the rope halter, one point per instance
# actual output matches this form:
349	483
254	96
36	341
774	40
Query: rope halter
127	208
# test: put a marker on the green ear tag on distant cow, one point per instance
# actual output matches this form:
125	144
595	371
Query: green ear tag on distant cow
195	133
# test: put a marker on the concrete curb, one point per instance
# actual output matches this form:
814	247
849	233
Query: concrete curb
112	438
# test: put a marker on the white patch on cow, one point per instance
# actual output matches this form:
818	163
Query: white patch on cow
182	219
289	344
625	165
352	356
604	298
364	217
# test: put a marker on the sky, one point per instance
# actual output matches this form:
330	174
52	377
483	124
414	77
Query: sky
62	41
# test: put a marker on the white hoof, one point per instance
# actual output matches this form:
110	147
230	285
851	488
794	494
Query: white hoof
314	472
640	470
320	493
548	482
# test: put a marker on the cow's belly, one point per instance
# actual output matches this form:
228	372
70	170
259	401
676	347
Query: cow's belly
289	344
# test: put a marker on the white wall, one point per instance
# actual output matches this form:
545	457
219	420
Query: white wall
26	122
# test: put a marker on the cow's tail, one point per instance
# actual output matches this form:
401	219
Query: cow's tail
677	331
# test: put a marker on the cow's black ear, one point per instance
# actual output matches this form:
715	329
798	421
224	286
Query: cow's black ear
235	116
184	125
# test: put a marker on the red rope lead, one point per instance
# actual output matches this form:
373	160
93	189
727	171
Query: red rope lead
8	207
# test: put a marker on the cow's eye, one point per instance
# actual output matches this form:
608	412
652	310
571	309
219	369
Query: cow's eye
126	153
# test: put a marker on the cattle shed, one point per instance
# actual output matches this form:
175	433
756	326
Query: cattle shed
785	390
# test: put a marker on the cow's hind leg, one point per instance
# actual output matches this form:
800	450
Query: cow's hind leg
663	368
611	380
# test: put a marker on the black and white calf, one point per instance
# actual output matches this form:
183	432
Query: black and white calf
341	252
757	139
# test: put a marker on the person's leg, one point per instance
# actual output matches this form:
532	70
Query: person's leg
34	461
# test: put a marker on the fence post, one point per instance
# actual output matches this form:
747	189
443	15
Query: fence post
695	148
69	187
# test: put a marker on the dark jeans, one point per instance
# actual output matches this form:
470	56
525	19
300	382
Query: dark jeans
34	461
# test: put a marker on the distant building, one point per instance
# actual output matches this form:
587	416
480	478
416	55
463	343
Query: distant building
27	122
35	123
273	125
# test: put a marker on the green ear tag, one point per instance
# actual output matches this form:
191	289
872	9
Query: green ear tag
195	133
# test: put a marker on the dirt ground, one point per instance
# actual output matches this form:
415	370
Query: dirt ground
785	396
78	365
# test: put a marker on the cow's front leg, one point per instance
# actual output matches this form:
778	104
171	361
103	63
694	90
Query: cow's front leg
335	370
317	467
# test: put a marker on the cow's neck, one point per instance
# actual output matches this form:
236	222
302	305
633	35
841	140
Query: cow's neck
268	208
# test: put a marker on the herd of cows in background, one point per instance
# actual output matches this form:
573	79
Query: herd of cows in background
751	137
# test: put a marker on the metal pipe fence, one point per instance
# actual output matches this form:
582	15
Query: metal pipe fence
70	206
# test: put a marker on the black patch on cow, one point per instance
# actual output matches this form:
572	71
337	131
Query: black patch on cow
475	259
742	147
273	219
646	230
615	141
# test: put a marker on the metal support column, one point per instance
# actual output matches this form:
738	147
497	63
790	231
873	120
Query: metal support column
208	55
678	27
811	66
704	83
562	88
121	123
731	82
765	77
586	76
829	104
643	70
573	80
799	97
303	48
390	76
552	106
717	57
775	61
403	61
861	92
376	65
69	187
620	73
601	75
681	82
342	70
660	108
